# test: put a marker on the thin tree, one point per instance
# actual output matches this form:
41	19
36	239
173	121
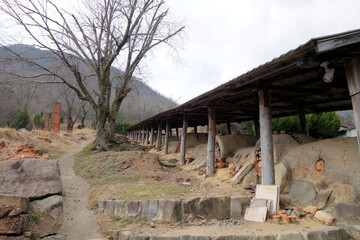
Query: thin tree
100	34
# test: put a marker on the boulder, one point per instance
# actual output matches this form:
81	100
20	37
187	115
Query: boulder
11	225
282	177
19	202
207	207
30	178
49	216
169	211
302	192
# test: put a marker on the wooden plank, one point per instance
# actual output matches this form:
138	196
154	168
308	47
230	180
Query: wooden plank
183	139
353	78
336	42
159	136
266	138
167	131
210	159
242	172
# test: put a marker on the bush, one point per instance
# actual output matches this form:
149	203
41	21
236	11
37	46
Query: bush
325	125
39	121
120	127
19	120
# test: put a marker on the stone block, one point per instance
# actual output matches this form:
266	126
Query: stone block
11	225
106	206
207	207
347	213
119	208
125	235
324	217
288	236
49	212
13	238
264	237
113	234
336	234
238	205
169	210
55	237
133	208
20	202
30	178
233	237
140	237
313	235
149	209
164	237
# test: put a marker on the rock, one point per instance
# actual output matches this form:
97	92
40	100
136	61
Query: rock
250	178
310	209
164	237
208	207
169	211
15	212
113	234
117	209
106	206
11	225
288	212
13	238
140	237
322	199
347	213
30	178
337	233
314	235
302	192
242	173
325	217
125	235
2	144
19	202
133	208
238	205
352	230
152	225
5	210
282	177
288	236
149	208
49	214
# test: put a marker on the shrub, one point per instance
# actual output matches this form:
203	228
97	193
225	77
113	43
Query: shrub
19	120
39	121
120	127
289	124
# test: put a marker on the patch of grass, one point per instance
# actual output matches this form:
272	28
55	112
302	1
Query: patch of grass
115	218
35	216
127	220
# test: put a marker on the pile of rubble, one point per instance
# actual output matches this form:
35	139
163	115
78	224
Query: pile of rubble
18	152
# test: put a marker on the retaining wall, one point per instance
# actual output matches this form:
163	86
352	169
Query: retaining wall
173	210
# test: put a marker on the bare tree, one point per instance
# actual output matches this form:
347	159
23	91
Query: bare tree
99	35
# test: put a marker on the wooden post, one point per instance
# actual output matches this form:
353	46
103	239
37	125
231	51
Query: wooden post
147	135
139	135
183	139
303	124
143	136
352	68
257	126
210	159
166	142
152	134
177	131
228	127
196	132
266	138
159	136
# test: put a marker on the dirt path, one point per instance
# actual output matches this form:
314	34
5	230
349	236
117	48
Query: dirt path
79	222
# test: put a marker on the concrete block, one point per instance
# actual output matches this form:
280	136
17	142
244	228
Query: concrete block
170	210
208	207
288	236
106	206
149	209
238	205
313	235
119	208
133	208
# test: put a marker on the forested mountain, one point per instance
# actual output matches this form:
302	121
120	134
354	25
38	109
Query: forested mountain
15	94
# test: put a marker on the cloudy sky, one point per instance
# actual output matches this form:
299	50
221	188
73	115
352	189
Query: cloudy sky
226	38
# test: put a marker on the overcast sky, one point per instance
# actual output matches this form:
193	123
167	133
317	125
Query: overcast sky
226	38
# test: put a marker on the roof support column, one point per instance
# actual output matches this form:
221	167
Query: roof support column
158	142
143	136
139	133
177	131
210	159
196	132
352	68
183	139
228	127
166	141
303	124
152	134
147	135
257	126
266	138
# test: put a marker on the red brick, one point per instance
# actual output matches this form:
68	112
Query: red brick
311	209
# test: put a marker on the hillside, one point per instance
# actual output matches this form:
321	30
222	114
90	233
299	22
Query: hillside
141	103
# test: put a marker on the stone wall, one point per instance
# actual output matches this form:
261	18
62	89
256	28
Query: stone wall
173	210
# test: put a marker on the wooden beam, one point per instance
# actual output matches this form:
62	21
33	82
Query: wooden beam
303	124
228	127
353	78
152	135
167	131
266	138
159	136
210	159
183	139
